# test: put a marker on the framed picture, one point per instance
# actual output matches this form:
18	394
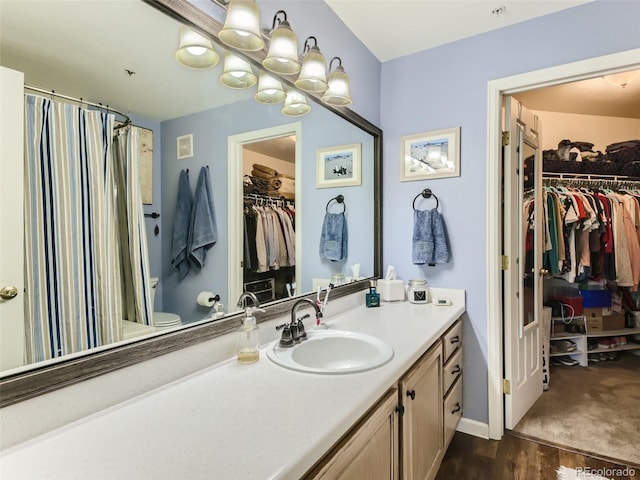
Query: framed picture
185	146
430	155
339	166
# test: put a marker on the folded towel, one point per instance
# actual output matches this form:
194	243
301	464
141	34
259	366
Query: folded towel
203	232
333	239
429	238
181	222
263	168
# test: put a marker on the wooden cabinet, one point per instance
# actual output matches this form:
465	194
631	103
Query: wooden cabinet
371	451
407	433
422	422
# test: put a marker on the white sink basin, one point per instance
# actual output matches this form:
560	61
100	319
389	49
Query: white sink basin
332	352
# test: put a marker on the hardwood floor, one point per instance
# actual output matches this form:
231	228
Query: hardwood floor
514	458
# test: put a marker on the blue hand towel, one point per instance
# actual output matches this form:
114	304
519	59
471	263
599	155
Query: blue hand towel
423	243
333	239
429	238
181	222
441	247
203	232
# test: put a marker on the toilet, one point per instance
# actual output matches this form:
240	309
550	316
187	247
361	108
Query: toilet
162	320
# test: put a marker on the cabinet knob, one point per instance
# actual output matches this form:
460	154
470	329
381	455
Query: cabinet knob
457	369
455	339
457	409
400	409
412	394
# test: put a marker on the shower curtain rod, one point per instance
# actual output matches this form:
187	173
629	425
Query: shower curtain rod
80	100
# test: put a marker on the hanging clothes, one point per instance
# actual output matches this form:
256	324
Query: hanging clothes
269	243
599	238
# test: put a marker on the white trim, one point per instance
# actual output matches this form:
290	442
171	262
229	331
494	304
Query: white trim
496	89
473	427
235	145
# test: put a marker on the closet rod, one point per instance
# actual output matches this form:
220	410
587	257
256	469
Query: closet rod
80	100
585	182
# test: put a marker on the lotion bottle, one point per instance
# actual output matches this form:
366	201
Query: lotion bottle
248	338
373	297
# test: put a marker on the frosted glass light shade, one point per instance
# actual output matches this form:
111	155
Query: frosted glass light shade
338	92
313	75
295	105
242	26
196	51
237	73
283	51
269	90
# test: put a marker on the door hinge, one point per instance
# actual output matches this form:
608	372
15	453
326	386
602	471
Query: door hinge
506	386
505	262
505	138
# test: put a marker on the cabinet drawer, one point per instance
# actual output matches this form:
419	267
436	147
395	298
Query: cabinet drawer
452	340
452	411
452	370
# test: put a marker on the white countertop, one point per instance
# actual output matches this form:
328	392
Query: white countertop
235	421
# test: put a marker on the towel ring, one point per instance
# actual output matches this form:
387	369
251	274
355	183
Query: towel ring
338	199
426	193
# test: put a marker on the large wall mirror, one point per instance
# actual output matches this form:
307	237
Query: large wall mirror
123	54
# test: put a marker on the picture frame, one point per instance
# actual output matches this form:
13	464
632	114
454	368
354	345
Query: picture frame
339	166
430	155
184	146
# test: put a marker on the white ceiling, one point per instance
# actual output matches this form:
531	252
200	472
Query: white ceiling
395	28
89	59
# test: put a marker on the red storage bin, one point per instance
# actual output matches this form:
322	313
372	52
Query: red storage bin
574	301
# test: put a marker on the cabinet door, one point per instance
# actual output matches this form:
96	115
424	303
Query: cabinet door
422	423
371	451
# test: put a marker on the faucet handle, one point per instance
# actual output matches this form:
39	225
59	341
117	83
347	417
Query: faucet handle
301	331
286	339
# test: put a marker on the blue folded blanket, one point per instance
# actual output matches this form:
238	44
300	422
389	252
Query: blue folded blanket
181	222
333	239
203	231
429	238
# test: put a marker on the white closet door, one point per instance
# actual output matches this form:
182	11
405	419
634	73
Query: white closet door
11	219
523	240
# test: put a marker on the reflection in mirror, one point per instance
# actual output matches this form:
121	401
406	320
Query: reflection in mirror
187	121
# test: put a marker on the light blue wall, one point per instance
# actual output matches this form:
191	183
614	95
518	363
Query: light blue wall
210	130
447	86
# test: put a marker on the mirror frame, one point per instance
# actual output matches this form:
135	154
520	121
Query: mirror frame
37	381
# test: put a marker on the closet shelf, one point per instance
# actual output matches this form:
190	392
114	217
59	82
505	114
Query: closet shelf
619	348
614	333
562	354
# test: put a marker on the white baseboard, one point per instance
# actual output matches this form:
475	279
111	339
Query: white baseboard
473	427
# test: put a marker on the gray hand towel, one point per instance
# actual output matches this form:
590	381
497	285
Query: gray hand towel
441	247
203	231
333	239
181	222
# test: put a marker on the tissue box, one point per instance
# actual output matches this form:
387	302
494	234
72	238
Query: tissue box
391	290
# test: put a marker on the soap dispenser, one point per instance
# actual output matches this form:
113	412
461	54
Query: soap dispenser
248	337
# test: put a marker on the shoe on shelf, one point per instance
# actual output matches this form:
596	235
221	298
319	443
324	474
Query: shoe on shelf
567	361
605	343
592	345
603	356
612	356
622	340
555	361
594	358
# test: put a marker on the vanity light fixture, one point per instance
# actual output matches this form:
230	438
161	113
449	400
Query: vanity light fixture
196	51
295	105
242	26
313	75
338	92
282	57
269	89
237	73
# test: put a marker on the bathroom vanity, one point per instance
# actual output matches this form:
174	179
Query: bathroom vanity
232	420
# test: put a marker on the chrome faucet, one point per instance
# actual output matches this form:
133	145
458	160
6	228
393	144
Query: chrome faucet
242	301
294	332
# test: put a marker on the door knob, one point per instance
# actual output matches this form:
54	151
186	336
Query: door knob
544	271
8	292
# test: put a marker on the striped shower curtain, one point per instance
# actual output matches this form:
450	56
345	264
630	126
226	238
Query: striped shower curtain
73	262
136	292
